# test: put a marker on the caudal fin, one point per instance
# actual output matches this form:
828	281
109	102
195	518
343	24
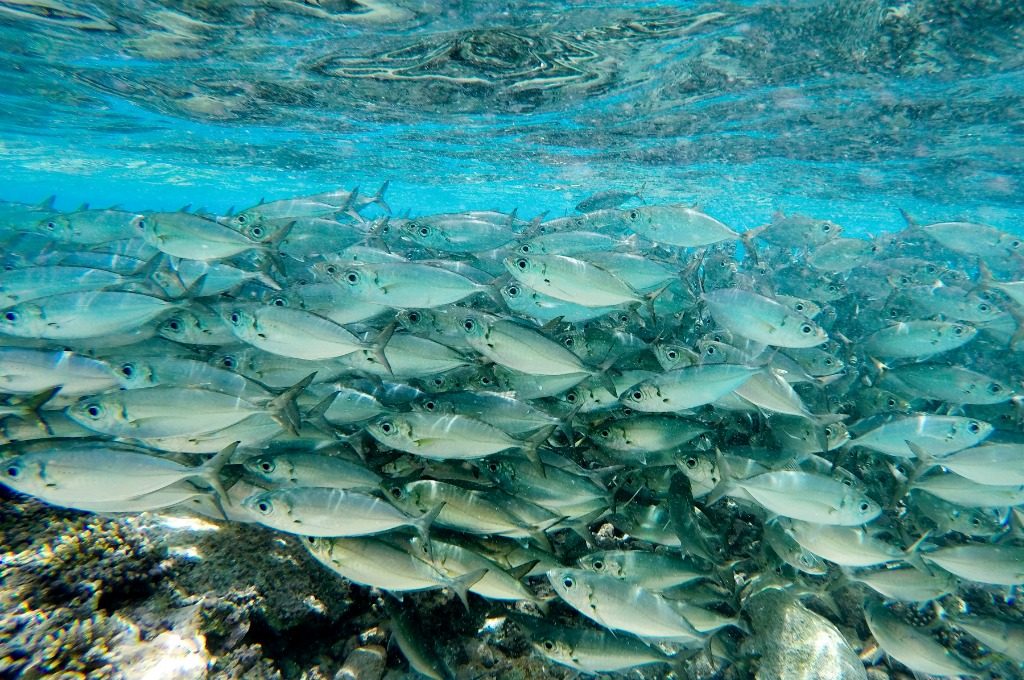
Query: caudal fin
283	409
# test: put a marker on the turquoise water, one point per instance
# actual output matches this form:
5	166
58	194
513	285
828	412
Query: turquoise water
845	110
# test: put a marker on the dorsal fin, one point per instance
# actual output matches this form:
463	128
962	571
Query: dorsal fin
47	204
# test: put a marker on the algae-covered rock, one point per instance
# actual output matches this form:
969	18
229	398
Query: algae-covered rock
792	642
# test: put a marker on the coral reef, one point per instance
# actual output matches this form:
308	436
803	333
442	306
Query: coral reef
83	596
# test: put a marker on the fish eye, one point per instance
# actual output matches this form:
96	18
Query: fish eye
386	427
633	214
469	324
829	361
568	582
1015	244
893	313
569	342
931	269
128	370
983	307
142	224
257	231
522	264
599	565
311	540
691	462
829	432
709	351
279	302
864	506
438	382
525	249
430	405
806	329
605	433
672	354
905	280
263	506
486	381
424	231
832	288
571	397
513	291
493	467
174	325
241	219
826	227
974	428
891	403
638	395
266	466
395	491
235	318
958	330
799	307
11	316
13	471
227	362
53	225
94	410
414	317
975	522
995	388
549	645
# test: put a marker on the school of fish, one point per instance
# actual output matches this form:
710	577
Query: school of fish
763	423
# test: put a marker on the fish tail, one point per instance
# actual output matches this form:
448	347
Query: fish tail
211	469
380	343
30	408
422	523
378	197
283	409
462	584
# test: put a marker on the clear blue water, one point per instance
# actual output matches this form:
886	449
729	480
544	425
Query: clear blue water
845	110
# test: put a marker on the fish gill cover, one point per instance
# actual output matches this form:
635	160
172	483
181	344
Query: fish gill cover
511	339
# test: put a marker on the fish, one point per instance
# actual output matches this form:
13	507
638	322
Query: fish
98	472
620	605
636	437
801	495
311	469
912	647
686	388
165	411
605	200
762	319
330	512
571	280
447	437
676	225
